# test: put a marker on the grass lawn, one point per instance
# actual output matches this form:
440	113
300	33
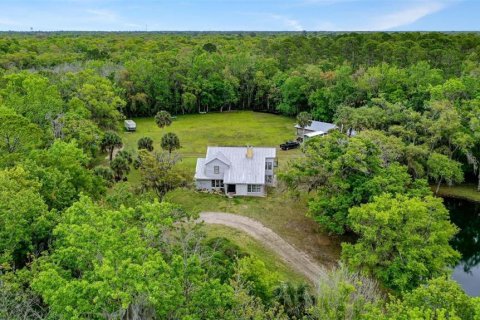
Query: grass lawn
256	249
197	131
466	191
278	211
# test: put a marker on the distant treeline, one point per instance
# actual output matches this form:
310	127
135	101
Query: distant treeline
185	72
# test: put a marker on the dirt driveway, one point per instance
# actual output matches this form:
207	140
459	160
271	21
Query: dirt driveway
298	260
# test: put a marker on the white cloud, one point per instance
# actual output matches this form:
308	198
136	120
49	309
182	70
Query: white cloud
291	24
417	11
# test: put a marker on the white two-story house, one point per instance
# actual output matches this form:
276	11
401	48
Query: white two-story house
239	171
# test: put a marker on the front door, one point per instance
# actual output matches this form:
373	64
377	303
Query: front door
231	188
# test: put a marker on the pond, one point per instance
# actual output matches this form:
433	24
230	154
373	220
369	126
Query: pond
466	215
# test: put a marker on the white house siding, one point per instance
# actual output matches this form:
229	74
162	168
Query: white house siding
242	190
204	184
209	169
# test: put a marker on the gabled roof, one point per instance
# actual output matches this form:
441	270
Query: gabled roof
241	170
220	156
319	126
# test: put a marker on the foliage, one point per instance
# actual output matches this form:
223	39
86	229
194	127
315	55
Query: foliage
304	119
32	96
83	130
163	119
295	299
18	302
64	175
26	220
145	143
170	142
146	262
346	172
109	142
440	168
17	136
438	298
120	167
258	280
158	172
403	241
346	295
102	102
105	173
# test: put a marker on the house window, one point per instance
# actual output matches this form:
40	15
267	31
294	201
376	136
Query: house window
217	183
268	179
216	169
268	166
254	188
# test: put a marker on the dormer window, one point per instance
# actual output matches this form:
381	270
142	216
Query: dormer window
216	169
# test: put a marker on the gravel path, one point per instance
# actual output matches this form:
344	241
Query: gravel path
298	260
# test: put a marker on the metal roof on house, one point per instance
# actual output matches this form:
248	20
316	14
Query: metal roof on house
319	126
220	156
241	170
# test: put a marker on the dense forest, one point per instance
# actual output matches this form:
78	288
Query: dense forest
76	243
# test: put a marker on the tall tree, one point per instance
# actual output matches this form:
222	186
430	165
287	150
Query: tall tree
163	119
170	142
403	241
441	168
32	96
304	119
26	221
158	172
17	136
109	142
145	143
120	167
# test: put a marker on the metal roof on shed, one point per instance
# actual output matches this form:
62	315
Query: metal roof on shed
319	126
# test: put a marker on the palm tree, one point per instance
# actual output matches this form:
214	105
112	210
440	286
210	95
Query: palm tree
163	119
120	167
145	143
109	142
170	142
296	300
304	119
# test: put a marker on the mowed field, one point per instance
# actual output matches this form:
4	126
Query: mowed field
283	213
198	131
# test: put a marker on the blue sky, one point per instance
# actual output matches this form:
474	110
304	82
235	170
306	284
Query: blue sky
225	15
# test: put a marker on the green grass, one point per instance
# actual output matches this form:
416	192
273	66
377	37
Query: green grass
466	191
278	211
198	131
254	248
